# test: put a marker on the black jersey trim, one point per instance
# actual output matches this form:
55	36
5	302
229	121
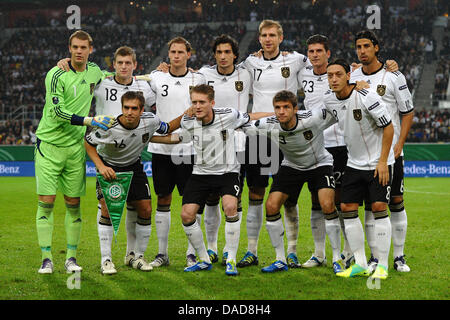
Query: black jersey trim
125	85
345	98
376	71
181	76
271	59
226	74
121	124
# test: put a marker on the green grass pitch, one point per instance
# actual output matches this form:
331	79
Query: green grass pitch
427	248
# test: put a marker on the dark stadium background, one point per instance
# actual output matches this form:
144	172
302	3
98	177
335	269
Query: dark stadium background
34	37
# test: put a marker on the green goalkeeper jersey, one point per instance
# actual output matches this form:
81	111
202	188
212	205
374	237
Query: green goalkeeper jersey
68	97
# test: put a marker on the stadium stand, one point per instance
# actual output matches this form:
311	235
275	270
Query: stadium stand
35	42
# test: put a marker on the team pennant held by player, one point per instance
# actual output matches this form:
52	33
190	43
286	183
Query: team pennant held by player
115	193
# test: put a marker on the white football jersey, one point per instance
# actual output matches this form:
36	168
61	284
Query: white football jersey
172	99
214	143
120	146
362	117
302	146
230	91
272	76
108	95
394	92
314	86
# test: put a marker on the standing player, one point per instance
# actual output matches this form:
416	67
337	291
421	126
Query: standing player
314	82
60	156
270	73
216	171
394	93
108	96
368	132
231	85
305	160
119	150
172	165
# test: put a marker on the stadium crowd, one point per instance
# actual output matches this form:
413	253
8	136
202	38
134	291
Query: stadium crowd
28	55
430	126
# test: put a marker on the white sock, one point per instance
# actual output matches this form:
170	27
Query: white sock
190	248
333	229
232	233
347	252
212	224
195	236
355	236
383	233
276	234
105	235
291	223
143	232
254	224
318	232
130	223
162	222
399	222
369	226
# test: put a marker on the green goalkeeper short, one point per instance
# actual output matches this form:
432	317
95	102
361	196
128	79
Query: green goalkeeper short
60	168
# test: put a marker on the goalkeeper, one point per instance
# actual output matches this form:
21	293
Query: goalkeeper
59	153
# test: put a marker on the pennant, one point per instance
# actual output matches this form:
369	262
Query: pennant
115	193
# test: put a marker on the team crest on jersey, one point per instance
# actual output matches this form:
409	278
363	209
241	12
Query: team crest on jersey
239	85
308	135
381	89
145	137
357	114
92	87
285	72
55	100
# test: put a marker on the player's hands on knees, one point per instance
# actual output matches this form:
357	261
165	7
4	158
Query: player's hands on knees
63	64
102	122
382	171
107	172
391	65
361	85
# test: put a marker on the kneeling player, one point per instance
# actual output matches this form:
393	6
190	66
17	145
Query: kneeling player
300	135
119	150
216	170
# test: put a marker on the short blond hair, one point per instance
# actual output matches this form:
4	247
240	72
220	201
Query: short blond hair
270	24
125	51
82	35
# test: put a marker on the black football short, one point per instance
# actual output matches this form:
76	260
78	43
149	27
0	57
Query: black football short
290	181
397	178
199	187
340	157
360	185
139	187
167	175
261	156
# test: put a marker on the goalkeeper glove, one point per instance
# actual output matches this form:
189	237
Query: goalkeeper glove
102	122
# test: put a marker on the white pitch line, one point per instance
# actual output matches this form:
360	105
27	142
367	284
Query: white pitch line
417	191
